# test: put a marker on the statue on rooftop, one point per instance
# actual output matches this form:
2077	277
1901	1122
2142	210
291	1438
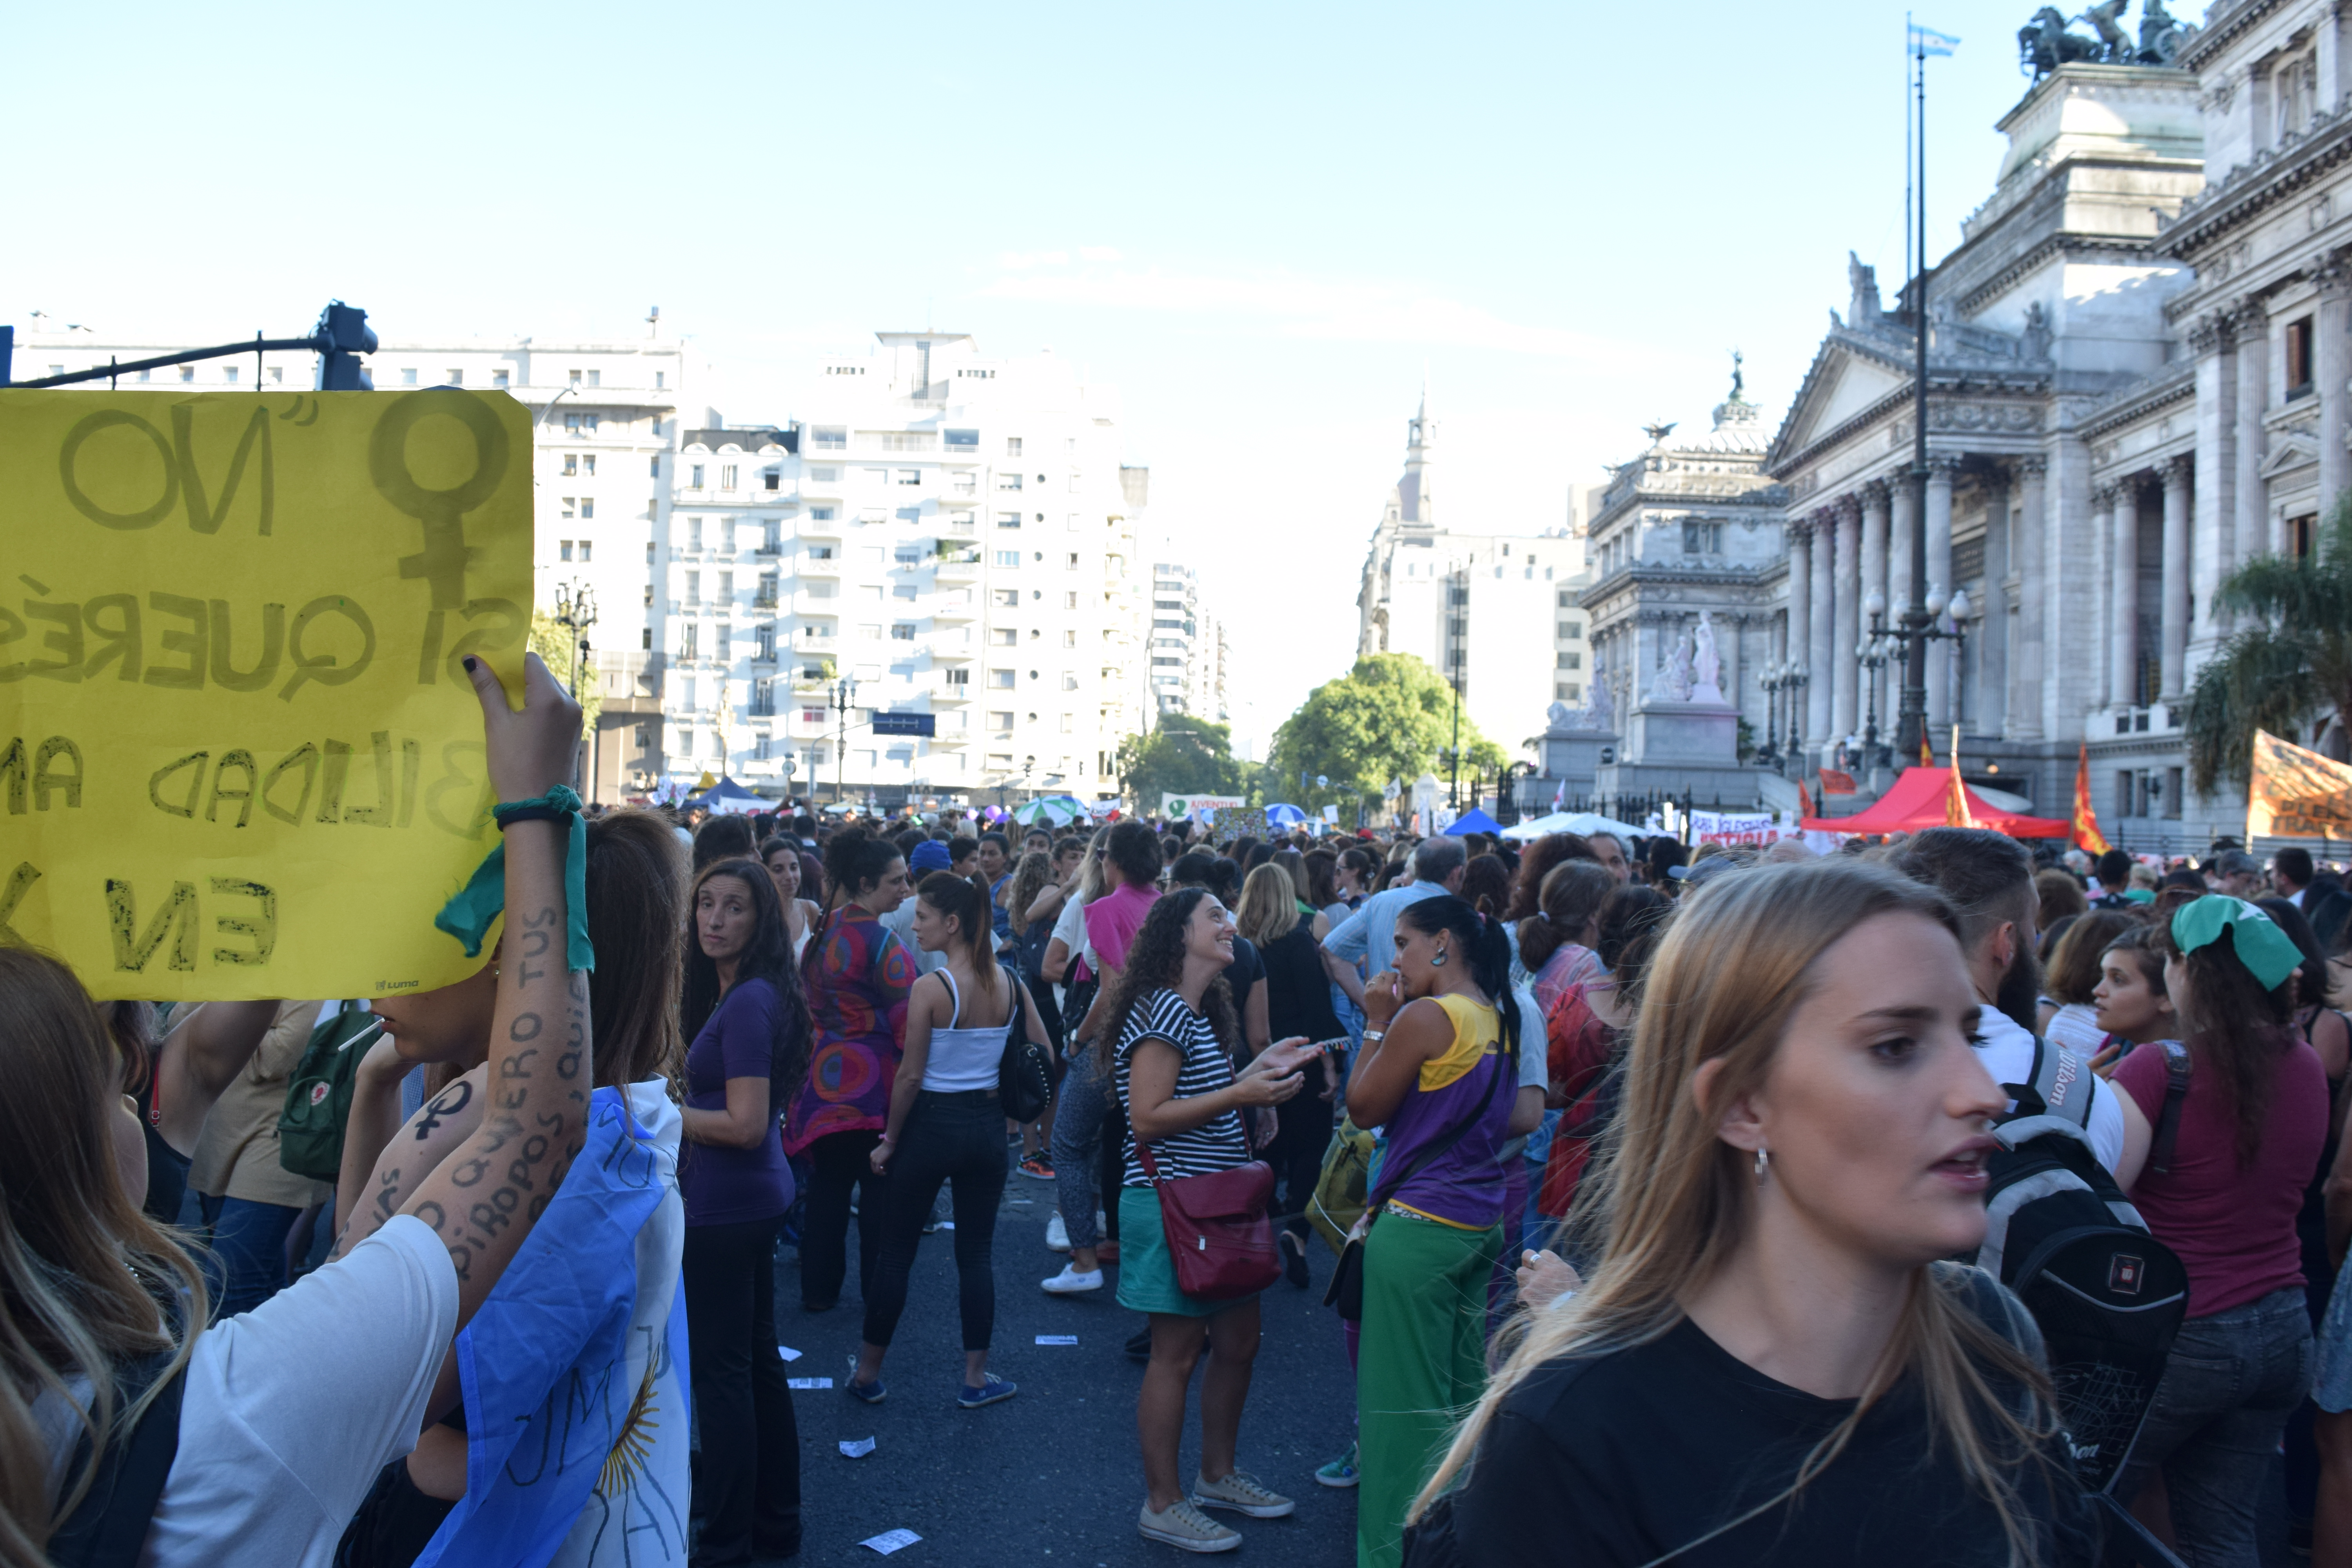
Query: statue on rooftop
2160	34
2043	44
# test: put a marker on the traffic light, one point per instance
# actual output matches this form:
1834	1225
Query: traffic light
343	336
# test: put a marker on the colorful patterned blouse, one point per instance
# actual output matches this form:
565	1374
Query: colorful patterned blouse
857	989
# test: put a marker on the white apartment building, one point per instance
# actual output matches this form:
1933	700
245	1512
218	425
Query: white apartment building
951	535
605	428
1188	666
1496	614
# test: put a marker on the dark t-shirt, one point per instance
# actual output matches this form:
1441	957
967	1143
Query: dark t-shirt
730	1187
1245	971
1635	1455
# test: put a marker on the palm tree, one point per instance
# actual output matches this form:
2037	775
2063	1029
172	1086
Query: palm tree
2289	666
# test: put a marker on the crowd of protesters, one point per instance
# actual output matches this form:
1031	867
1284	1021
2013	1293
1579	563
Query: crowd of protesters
1645	1183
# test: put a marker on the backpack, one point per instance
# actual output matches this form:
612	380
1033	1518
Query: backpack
108	1528
319	1093
2106	1295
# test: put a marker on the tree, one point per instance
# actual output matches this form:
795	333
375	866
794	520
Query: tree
1183	755
558	646
2288	668
1387	719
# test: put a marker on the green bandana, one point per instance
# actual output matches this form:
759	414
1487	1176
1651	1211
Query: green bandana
2269	954
467	914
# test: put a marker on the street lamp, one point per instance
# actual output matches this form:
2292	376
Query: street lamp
1908	643
1794	678
575	609
843	697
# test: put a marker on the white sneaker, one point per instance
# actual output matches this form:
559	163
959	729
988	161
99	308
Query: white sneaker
1070	1282
1057	1234
1185	1526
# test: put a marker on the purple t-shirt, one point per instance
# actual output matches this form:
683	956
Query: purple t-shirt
731	1186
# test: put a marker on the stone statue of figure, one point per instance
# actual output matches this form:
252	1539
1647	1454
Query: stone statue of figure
2160	34
1862	308
2106	20
2035	342
1596	714
1706	664
1674	682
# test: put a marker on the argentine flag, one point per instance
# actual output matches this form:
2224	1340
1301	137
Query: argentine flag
1927	41
575	1371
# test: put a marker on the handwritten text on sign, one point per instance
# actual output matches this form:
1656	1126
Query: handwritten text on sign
239	753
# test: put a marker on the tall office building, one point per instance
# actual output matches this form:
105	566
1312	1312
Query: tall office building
1188	674
604	427
936	533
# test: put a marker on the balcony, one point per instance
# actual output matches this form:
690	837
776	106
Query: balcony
944	692
955	608
959	566
765	598
812	566
822	642
815	526
953	655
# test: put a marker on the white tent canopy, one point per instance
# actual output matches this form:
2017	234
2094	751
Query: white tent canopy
1583	824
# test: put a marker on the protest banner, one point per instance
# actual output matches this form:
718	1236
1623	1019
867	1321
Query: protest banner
2297	794
239	753
1199	807
1734	827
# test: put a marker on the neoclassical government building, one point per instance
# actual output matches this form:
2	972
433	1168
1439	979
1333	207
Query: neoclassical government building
2136	378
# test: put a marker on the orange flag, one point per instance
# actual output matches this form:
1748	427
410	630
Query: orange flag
2087	836
1957	813
1927	756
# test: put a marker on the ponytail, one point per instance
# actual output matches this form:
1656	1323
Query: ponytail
1488	948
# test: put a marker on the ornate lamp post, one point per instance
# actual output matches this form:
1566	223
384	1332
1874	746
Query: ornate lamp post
1795	678
575	610
843	699
1877	651
1908	643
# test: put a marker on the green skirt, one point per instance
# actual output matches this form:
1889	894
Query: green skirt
1147	1270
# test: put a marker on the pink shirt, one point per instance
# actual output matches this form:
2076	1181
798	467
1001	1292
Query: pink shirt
1113	919
2232	1226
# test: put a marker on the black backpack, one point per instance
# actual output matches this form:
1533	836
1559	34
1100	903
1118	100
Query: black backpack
2106	1295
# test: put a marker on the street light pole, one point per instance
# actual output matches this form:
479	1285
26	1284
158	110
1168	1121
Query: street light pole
575	609
1454	756
844	695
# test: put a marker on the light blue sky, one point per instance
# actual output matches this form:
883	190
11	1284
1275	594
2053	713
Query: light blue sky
1569	213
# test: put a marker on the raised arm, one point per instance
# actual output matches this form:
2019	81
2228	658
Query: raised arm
199	1058
485	1197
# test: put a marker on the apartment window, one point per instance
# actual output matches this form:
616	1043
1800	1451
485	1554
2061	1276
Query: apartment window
661	380
563	551
1071	565
1076	484
694	533
1005	598
770	480
1070	600
1069	681
575	378
1702	538
1568	690
1008	559
902	590
1008	481
587	506
228	373
910	476
653	466
1457	597
499	378
959	678
277	372
726	642
686	741
1000	720
1566	599
686	639
2298	357
694	477
1001	678
727	587
1570	660
1013	445
870	631
571	505
829	438
902	631
821	514
763	642
1071	522
694	587
408	377
571	464
1008	520
187	371
726	476
453	377
1572	628
1069	640
1004	636
595	378
587	550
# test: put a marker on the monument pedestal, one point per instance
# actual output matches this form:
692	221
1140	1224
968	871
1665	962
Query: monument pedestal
1684	748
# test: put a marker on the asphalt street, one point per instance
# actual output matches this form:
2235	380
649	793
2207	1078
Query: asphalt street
1051	1476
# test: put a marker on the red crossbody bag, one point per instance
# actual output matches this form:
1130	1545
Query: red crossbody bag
1217	1228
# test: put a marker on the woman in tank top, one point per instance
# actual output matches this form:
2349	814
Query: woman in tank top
945	1124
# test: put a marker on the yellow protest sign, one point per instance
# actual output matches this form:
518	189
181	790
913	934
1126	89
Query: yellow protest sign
2297	794
238	754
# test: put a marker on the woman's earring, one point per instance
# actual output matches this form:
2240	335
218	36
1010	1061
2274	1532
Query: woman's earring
1437	959
1763	1163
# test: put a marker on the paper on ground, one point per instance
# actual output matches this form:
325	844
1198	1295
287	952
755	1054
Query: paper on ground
890	1541
1057	1339
808	1383
859	1449
788	1353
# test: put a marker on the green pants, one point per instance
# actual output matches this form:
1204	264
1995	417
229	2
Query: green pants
1420	1361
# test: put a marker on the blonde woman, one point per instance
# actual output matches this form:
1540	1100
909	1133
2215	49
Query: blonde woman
1297	1004
1769	1366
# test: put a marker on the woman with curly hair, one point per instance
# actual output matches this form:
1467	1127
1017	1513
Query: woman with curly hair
1168	1033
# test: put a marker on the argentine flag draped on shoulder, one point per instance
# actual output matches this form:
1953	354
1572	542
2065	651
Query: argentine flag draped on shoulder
574	1370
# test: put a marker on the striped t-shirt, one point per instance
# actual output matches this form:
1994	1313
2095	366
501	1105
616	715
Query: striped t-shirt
1219	1144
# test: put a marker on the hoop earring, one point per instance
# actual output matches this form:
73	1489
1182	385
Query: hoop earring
1763	1163
1437	959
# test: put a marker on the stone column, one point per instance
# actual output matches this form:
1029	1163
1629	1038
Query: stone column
1941	468
1801	593
1994	628
2213	526
2025	555
2253	524
1874	578
1845	716
2178	499
2331	356
2071	670
1820	654
2122	598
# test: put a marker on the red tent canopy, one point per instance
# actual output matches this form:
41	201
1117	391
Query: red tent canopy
1916	801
